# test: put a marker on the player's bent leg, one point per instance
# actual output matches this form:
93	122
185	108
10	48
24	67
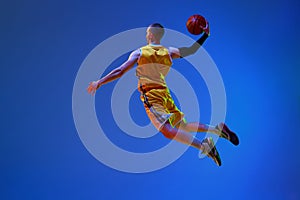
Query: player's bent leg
181	136
206	146
197	127
221	130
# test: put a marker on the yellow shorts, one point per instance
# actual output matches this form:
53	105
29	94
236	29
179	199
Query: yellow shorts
162	108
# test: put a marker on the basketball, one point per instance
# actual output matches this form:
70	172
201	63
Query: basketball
195	24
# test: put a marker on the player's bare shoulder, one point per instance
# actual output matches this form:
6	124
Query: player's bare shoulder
135	54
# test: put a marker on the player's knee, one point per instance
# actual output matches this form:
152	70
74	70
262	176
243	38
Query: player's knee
168	131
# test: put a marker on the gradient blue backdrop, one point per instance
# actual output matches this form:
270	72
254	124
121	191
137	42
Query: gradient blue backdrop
43	43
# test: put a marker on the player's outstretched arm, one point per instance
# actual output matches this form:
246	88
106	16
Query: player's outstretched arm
186	51
114	74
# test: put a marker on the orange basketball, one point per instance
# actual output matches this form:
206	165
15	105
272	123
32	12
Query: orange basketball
195	24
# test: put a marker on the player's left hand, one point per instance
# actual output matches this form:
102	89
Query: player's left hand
93	86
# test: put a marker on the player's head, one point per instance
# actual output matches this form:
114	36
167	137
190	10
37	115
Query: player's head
154	33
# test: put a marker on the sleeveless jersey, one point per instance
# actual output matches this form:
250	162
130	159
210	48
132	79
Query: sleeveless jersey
153	65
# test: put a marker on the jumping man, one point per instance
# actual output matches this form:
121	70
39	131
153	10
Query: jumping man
153	64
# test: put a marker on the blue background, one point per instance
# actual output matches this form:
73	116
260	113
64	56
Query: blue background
254	43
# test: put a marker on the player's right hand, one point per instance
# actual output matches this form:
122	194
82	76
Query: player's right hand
93	86
206	29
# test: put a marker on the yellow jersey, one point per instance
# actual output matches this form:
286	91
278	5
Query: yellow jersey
153	65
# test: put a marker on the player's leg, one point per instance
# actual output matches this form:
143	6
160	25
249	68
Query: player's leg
157	114
181	136
177	119
198	127
207	146
221	130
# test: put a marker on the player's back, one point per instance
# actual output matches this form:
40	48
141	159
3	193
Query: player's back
153	65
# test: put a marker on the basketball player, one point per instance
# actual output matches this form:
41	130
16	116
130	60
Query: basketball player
153	64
